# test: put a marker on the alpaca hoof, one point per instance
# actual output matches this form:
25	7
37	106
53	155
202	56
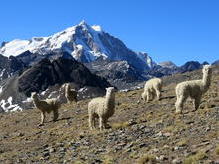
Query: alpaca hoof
178	112
194	110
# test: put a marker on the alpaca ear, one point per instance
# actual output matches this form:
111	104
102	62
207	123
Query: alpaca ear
32	93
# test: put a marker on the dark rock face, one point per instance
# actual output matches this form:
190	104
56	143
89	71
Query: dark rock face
8	66
62	70
190	66
159	71
118	73
30	58
216	62
118	50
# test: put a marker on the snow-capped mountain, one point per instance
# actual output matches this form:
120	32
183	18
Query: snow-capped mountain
85	43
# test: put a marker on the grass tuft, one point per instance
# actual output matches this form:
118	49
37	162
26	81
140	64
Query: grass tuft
146	159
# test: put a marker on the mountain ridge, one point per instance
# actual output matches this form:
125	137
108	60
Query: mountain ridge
84	42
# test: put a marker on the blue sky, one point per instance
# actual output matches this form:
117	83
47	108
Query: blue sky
176	30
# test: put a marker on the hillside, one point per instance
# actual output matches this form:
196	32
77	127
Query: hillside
140	132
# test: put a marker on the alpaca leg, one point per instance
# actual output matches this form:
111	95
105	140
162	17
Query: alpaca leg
148	96
158	94
179	104
153	94
94	122
197	102
42	118
55	114
101	123
91	121
104	123
144	97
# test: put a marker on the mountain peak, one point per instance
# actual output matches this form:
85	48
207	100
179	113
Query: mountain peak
84	42
83	22
167	64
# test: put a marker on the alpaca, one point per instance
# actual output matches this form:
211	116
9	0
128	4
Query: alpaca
102	107
193	89
152	87
46	106
70	94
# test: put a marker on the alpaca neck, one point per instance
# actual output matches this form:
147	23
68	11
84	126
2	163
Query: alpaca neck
206	80
36	101
110	99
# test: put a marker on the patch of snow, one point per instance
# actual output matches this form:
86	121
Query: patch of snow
8	106
28	100
1	89
97	28
52	94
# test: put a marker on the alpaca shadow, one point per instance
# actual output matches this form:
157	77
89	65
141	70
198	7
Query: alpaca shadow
60	119
167	97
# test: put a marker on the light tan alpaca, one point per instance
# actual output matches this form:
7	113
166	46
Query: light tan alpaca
152	87
102	107
193	89
46	106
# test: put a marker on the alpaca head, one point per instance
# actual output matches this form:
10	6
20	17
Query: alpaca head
206	69
110	90
33	95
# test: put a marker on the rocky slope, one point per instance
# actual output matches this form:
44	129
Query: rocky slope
140	132
216	62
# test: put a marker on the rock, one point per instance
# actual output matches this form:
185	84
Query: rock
131	122
143	145
160	134
176	161
62	149
155	150
45	154
167	134
161	158
166	146
51	150
189	122
19	134
208	129
45	146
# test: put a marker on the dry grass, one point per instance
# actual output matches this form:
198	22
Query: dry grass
182	142
120	125
147	158
217	150
193	159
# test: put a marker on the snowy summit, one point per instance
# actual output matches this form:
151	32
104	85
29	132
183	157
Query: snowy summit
84	42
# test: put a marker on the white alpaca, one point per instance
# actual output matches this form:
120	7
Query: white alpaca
46	106
102	107
152	87
193	89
